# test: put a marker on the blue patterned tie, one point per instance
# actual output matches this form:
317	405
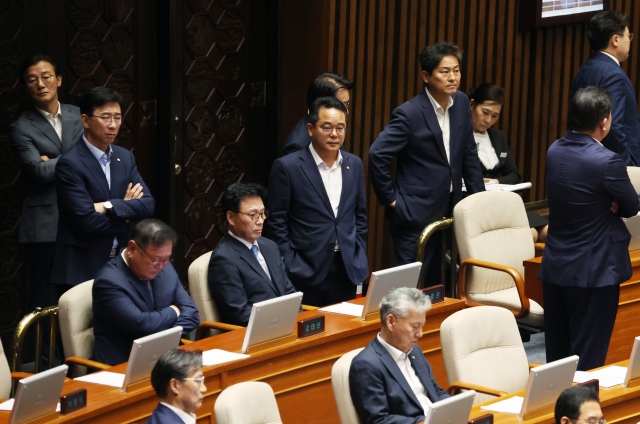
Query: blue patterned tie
254	249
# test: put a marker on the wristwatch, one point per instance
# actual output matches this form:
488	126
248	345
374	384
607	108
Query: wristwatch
108	207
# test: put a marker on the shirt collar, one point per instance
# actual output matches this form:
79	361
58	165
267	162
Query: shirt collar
436	105
395	353
187	418
576	132
243	241
615	59
319	160
97	152
48	115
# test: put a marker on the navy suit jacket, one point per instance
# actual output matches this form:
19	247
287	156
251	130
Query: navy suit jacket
303	224
423	175
124	311
164	415
624	137
587	244
85	237
298	138
237	281
379	391
33	136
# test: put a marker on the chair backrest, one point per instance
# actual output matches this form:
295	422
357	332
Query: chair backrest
634	176
340	384
75	315
482	346
492	226
5	375
199	290
251	402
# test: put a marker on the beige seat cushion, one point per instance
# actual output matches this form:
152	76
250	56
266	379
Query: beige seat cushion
508	298
5	375
634	176
199	290
249	403
340	385
75	315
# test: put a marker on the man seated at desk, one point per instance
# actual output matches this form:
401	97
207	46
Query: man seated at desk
391	380
245	268
179	384
138	293
579	404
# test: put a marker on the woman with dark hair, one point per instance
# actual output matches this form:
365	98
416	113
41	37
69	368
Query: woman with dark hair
497	163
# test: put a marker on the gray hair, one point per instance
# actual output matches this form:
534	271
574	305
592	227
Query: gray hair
399	301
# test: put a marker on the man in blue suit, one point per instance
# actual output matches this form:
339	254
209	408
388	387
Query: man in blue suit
390	380
318	211
586	254
138	293
99	192
431	138
179	384
245	267
610	39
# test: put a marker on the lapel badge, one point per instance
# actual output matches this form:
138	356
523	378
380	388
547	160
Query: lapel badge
413	357
118	159
347	167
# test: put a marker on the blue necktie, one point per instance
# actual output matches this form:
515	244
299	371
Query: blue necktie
254	249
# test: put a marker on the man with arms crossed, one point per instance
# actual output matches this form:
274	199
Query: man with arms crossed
586	255
391	380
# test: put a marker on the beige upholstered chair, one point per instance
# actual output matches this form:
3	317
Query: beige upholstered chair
75	315
482	350
634	176
493	236
340	384
251	402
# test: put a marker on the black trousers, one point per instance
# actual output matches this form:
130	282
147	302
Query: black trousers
336	287
38	258
579	321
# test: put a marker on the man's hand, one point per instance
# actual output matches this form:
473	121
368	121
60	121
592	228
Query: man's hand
100	207
175	308
491	180
393	205
614	206
134	192
44	158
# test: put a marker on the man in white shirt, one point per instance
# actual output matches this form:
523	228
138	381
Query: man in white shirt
179	384
391	379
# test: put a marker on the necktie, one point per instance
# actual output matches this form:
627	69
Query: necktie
153	302
254	249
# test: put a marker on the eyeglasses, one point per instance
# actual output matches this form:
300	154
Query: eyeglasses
154	261
630	35
201	380
46	79
327	130
593	421
254	216
108	118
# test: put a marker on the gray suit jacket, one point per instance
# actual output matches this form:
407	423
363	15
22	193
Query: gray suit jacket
33	136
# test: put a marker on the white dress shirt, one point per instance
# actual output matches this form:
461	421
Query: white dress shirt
187	418
443	120
486	152
332	180
261	260
402	360
54	120
104	159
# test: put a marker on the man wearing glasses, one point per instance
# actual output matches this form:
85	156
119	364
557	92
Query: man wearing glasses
318	211
99	192
138	293
38	138
245	268
610	39
579	404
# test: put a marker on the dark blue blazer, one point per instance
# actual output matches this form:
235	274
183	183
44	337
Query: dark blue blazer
302	222
124	311
85	237
423	175
624	137
298	138
379	391
237	281
587	244
164	415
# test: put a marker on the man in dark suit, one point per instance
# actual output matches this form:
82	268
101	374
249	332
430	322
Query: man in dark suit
431	138
325	85
38	138
245	267
610	39
318	211
586	254
391	380
179	384
138	293
99	192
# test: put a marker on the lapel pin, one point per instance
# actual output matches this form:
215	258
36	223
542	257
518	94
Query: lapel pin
413	357
347	167
118	159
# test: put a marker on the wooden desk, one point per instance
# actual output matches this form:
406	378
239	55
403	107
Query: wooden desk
299	373
627	325
619	405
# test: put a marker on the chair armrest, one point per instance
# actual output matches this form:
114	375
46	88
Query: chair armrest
538	246
17	375
517	278
534	364
215	325
185	341
309	308
86	363
456	387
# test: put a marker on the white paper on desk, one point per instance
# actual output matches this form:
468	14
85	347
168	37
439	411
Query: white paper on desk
512	405
105	378
344	308
507	187
219	356
8	405
607	377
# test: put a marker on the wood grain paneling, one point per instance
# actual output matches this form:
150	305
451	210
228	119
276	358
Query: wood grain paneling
377	42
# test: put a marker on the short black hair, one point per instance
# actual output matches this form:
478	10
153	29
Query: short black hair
432	55
587	108
96	97
326	85
236	192
570	401
153	232
605	25
327	103
32	60
176	364
486	92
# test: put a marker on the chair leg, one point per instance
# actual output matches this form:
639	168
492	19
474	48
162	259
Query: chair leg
525	334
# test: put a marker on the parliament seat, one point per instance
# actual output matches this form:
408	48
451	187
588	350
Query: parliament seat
251	402
634	176
340	385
